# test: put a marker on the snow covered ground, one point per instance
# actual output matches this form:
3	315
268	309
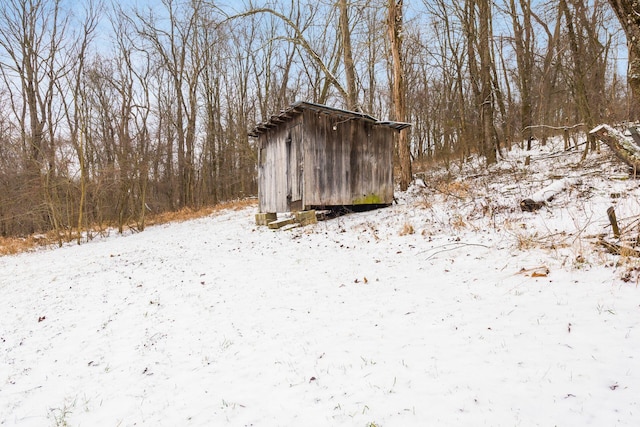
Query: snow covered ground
450	308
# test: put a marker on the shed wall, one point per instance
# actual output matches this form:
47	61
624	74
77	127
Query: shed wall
280	181
317	159
346	161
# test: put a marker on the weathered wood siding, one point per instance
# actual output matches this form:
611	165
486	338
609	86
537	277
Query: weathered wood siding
279	168
346	161
316	159
295	178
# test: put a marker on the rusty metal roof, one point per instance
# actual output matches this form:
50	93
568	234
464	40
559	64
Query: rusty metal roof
300	106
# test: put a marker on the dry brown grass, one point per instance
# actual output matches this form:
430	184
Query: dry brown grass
526	242
457	222
407	229
186	214
457	189
15	245
425	202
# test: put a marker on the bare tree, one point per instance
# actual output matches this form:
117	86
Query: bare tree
398	89
628	13
300	40
373	55
350	72
477	28
178	51
489	142
548	70
75	107
455	115
32	38
524	48
588	61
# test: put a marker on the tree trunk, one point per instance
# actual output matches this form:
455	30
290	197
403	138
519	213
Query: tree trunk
398	89
524	58
628	13
580	80
486	108
549	72
350	72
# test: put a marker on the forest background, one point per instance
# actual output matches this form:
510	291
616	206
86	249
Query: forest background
110	113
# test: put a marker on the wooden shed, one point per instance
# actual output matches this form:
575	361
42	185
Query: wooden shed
312	156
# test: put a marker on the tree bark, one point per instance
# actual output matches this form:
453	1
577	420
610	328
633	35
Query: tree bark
628	13
486	109
524	58
394	21
350	71
549	72
621	146
579	82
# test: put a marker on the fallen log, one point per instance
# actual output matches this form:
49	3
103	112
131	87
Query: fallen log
542	197
624	148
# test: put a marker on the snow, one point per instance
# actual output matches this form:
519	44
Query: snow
450	308
554	188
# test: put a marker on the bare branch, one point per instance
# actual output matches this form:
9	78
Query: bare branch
299	40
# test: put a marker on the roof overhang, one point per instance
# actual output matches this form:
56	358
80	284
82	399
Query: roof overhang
300	106
394	125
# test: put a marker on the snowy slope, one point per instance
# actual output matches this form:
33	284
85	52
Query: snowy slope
449	308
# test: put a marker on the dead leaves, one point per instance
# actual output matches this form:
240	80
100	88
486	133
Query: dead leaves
541	271
359	281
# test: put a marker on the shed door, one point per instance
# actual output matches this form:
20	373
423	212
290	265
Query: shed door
294	168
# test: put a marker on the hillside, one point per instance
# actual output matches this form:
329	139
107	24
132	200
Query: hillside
452	307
